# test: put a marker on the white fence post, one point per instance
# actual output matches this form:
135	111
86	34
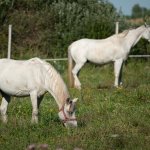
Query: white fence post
9	41
117	27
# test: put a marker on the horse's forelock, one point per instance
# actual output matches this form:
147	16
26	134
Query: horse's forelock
71	109
71	105
68	100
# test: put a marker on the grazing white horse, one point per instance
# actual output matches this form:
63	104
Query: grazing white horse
34	78
113	49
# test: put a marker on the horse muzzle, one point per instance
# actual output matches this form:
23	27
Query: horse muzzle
72	124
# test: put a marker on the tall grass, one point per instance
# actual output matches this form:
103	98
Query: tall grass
108	118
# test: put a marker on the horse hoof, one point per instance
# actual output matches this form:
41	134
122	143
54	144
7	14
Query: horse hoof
122	86
78	87
34	121
116	86
4	119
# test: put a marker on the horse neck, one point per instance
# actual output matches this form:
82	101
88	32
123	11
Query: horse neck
134	36
57	87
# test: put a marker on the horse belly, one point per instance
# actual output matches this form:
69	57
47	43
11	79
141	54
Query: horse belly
14	88
13	83
100	57
17	93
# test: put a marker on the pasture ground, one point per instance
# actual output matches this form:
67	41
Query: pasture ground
108	118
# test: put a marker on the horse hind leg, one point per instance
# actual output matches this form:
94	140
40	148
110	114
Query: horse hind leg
120	76
75	71
117	70
4	105
78	73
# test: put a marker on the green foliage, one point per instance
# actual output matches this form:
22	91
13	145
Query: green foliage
108	118
45	28
141	48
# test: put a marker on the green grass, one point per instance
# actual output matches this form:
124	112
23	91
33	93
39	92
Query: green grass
108	118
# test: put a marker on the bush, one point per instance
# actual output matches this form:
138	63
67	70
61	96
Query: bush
45	28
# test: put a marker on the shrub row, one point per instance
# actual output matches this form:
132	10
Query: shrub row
45	28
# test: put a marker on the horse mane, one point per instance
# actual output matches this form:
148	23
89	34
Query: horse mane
124	33
56	84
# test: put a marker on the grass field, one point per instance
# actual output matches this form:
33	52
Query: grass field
108	118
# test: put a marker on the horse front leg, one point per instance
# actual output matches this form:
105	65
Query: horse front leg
117	69
75	71
34	101
4	105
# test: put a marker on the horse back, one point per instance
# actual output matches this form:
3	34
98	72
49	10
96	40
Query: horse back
97	51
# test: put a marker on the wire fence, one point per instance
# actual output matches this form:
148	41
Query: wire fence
139	55
133	56
58	59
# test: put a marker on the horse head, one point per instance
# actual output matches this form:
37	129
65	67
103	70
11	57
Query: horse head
67	113
146	33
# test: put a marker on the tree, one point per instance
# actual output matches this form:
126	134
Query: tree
138	12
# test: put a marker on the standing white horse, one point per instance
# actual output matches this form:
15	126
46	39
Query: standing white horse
34	78
113	49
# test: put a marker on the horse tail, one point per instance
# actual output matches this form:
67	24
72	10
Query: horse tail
70	67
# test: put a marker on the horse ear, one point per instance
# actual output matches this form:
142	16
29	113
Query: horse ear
145	25
75	99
